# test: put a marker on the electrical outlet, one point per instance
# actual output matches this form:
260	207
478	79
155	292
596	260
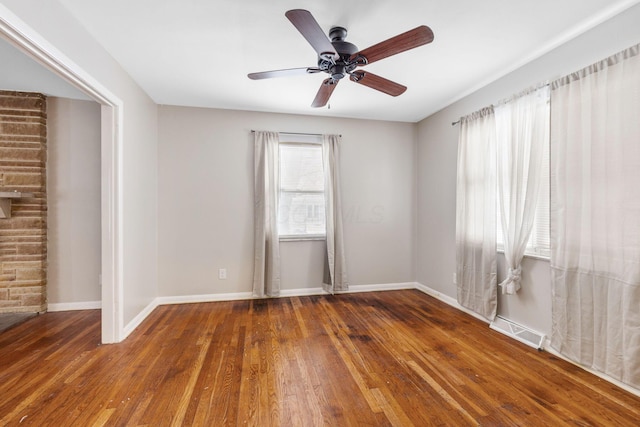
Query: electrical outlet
455	278
222	273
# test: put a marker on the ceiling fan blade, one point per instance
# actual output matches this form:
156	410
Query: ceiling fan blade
378	83
283	73
413	38
310	30
324	93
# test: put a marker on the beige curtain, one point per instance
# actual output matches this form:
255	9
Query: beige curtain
335	276
595	216
266	271
522	134
476	214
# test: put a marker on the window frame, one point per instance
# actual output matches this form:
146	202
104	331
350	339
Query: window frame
298	140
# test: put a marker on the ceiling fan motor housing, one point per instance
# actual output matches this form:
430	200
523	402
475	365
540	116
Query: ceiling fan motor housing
339	67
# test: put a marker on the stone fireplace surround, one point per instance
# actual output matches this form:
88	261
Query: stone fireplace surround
23	236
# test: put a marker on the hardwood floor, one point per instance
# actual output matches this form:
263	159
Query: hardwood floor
372	359
9	320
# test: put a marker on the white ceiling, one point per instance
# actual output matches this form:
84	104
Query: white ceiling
198	52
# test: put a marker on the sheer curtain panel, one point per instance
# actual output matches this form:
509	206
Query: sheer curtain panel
476	214
335	275
522	131
595	216
266	266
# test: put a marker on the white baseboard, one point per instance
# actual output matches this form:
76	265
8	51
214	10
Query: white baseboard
190	299
381	287
137	321
72	306
450	301
352	289
302	292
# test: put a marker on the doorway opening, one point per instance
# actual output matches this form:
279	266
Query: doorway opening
33	45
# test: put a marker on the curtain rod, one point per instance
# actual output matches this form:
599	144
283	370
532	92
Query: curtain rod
297	133
531	89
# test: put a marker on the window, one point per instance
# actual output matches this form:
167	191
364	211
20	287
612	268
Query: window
301	212
539	241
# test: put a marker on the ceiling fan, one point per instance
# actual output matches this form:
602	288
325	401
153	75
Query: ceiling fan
339	58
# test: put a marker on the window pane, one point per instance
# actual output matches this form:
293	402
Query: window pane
540	236
301	168
301	214
301	205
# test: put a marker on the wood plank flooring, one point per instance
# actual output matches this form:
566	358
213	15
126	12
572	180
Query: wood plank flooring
395	358
9	320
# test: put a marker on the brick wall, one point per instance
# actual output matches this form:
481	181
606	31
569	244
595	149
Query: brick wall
23	237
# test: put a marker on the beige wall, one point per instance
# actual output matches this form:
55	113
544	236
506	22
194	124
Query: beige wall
437	152
73	185
206	201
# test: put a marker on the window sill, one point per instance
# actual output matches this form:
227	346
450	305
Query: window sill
534	256
300	238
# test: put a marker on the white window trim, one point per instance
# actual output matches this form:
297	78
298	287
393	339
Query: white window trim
544	255
296	238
